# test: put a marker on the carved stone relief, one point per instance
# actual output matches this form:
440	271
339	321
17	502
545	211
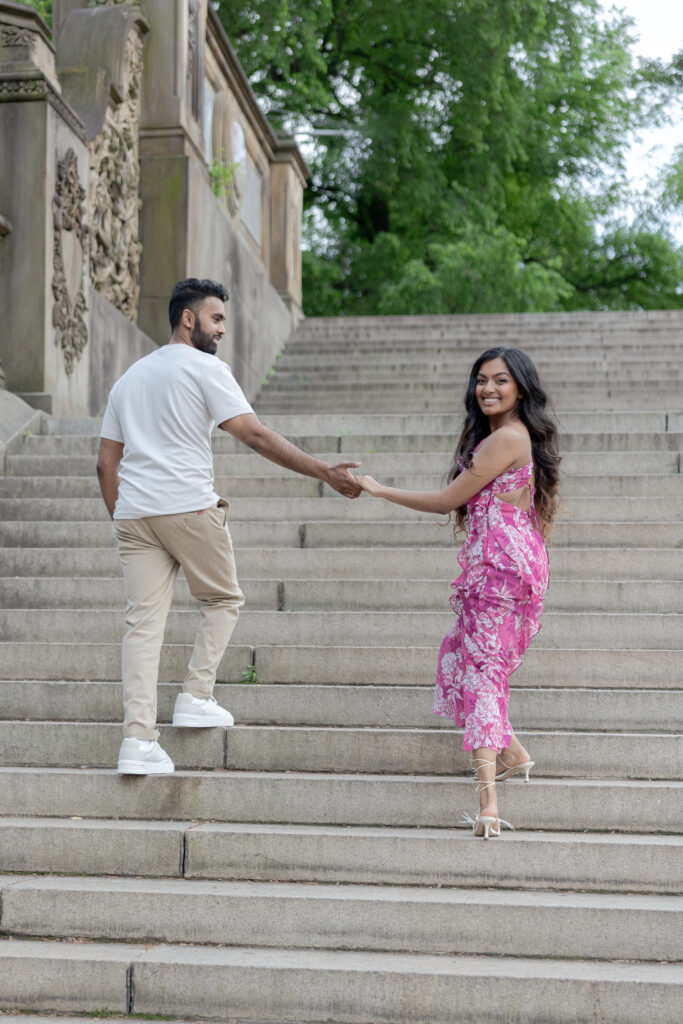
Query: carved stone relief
195	59
13	35
113	194
69	250
137	5
22	88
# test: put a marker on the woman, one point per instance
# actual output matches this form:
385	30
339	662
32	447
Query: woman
503	485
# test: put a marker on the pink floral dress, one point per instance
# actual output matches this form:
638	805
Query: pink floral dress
498	601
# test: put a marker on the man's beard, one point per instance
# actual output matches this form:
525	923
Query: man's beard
203	340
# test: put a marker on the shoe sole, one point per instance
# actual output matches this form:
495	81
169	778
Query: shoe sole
195	722
141	768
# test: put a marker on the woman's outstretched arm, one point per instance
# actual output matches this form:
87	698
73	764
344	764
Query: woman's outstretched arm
504	449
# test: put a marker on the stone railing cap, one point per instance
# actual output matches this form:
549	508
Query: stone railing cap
288	150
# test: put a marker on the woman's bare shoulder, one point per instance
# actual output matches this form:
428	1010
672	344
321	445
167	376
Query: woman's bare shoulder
512	440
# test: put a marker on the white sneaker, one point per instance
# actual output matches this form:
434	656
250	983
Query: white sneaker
193	713
143	757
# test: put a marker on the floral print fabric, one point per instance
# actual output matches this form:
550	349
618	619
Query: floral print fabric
498	601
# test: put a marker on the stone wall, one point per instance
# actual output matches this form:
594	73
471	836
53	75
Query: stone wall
199	114
135	154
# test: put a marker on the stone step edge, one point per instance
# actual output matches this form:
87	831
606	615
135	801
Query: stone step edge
332	580
330	687
364	777
350	892
364	729
254	648
423	963
188	614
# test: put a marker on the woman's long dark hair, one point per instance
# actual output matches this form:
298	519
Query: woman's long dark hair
532	413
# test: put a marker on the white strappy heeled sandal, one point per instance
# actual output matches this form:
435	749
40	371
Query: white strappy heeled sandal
513	769
483	824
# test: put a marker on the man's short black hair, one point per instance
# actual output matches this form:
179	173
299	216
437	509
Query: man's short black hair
189	293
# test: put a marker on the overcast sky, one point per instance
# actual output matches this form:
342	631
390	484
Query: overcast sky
659	24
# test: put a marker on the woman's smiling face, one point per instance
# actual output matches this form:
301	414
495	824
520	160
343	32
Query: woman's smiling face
496	390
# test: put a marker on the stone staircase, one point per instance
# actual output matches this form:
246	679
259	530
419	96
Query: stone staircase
307	865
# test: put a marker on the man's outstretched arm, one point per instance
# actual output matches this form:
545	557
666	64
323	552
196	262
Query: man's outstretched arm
249	429
108	460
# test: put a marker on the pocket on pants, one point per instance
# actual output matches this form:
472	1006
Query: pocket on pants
223	506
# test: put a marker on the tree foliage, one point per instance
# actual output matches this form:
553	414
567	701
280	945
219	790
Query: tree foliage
479	160
44	8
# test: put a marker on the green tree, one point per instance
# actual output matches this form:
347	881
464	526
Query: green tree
44	8
477	156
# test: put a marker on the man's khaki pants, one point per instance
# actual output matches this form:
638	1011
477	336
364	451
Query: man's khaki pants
152	551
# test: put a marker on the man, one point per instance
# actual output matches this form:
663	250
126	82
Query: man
155	469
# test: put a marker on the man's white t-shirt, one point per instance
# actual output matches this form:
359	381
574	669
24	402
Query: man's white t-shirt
163	409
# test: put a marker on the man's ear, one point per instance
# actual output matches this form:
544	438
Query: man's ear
187	319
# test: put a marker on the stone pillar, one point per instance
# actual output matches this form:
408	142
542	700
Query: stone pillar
43	261
288	180
99	60
171	143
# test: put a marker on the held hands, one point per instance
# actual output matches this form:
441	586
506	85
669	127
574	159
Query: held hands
369	484
339	478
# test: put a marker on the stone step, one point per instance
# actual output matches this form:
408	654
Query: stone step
400	707
99	661
380	465
252	510
360	351
563	395
273	985
292	486
616	400
432	532
347	750
404	424
579	442
385	370
585	375
406	919
101	534
307	594
460	353
436	358
626	631
550	326
417	534
33	1018
557	805
224	444
556	668
577	564
300	853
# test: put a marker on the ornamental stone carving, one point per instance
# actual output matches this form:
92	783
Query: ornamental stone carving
13	35
195	58
12	89
137	5
70	237
113	193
